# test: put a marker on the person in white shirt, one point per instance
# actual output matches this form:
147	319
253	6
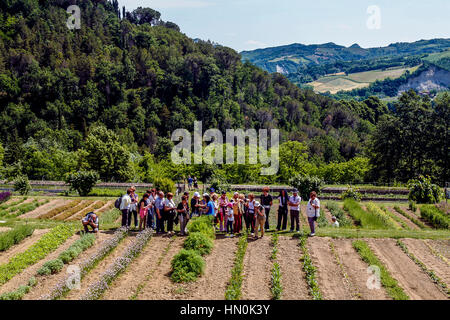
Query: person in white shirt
313	212
125	204
294	205
169	209
335	222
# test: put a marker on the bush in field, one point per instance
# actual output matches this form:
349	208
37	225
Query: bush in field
50	267
82	181
164	184
421	190
305	184
187	266
219	183
435	216
203	225
351	193
22	184
199	242
412	206
4	196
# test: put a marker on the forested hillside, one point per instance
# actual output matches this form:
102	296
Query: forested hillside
107	97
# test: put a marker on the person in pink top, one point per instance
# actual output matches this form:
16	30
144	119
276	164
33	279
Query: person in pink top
222	214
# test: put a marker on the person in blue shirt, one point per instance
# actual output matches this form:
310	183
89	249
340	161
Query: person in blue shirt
209	206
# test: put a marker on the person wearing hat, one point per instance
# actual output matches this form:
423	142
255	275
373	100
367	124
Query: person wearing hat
260	219
208	205
194	205
294	204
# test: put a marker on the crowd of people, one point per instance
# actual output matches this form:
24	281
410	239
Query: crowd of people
158	211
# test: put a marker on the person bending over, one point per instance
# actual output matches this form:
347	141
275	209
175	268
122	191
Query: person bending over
90	219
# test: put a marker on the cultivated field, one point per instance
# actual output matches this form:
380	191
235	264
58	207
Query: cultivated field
336	83
410	252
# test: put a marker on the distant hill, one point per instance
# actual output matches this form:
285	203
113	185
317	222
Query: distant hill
295	57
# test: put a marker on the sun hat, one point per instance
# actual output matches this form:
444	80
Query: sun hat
236	193
196	194
205	194
212	190
230	205
295	191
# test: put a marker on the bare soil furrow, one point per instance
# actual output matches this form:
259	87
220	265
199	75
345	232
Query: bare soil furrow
331	283
417	216
408	222
159	285
44	209
356	270
292	275
256	275
442	247
411	278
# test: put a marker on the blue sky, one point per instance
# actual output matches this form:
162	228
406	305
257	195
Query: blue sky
252	24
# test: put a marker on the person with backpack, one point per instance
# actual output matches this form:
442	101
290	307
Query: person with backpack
91	219
125	203
159	211
313	212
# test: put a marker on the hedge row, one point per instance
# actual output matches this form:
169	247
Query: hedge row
435	216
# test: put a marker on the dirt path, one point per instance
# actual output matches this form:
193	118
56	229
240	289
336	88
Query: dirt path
411	278
44	209
256	275
327	213
47	283
441	246
22	278
125	286
95	273
408	222
331	281
22	246
292	275
213	284
159	285
3	229
356	270
419	249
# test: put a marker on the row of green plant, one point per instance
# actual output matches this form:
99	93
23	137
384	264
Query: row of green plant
39	250
63	287
275	281
85	211
363	218
71	211
411	218
435	216
188	264
355	293
339	213
383	216
12	204
310	271
55	211
233	291
29	207
388	282
12	207
86	241
397	219
429	272
108	220
20	292
14	236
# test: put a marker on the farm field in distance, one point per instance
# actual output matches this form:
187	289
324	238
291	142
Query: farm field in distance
412	253
338	82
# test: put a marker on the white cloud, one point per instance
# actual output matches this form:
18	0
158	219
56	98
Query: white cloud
170	4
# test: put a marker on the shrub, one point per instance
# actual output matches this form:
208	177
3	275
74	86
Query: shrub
363	218
203	225
305	184
219	183
187	265
22	184
351	193
4	196
164	184
82	181
199	242
50	267
436	217
14	236
421	190
412	206
85	242
382	216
